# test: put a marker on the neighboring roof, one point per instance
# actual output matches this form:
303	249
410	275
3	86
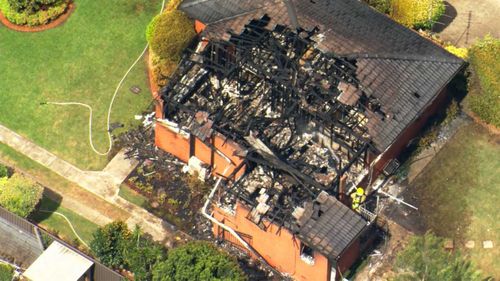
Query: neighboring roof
399	67
58	263
331	217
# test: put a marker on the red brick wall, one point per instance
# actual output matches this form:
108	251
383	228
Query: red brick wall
179	146
282	250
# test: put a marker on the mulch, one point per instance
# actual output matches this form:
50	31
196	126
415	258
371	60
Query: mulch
55	23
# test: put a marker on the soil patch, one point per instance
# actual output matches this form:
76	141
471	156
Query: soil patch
55	23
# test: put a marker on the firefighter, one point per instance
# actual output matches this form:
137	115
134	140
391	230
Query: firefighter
358	197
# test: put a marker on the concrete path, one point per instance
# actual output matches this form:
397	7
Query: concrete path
104	184
465	21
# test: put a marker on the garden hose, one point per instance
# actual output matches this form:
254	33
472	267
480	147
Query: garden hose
108	121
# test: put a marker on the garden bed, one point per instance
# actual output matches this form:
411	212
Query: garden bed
167	192
39	21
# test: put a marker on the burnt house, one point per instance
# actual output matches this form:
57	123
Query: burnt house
294	114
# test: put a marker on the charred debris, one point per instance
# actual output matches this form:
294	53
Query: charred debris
297	113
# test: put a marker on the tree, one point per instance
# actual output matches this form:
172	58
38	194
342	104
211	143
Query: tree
19	195
141	254
426	259
109	243
197	261
169	34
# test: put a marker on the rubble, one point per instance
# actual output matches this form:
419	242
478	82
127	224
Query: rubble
298	112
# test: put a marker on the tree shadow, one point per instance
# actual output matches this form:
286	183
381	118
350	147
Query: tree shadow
47	206
444	21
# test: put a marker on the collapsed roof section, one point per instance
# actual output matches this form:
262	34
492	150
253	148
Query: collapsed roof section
299	113
404	71
277	95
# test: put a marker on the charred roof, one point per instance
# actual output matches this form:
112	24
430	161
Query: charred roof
299	114
404	71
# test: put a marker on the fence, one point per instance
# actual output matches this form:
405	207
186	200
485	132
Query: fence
99	271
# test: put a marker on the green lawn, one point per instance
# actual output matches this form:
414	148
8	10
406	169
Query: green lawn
6	272
51	221
458	194
132	196
57	183
82	61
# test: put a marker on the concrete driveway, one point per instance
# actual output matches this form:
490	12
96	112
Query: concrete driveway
467	20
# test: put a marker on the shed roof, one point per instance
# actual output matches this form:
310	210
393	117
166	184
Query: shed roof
59	263
398	66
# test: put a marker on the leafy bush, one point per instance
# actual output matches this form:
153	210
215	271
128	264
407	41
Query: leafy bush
4	171
484	83
426	259
172	33
19	194
109	243
117	247
6	272
459	52
141	254
32	14
383	6
417	14
197	261
31	6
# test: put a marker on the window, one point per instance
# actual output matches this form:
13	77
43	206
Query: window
306	254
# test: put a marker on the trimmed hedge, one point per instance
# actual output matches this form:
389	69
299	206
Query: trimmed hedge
172	32
417	14
27	17
484	83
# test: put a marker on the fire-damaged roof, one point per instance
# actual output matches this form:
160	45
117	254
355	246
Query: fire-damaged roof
299	115
401	69
305	105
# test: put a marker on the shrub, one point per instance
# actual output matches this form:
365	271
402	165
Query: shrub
30	17
425	259
6	272
417	14
383	6
31	6
197	261
484	82
141	254
19	194
459	52
109	243
4	171
172	33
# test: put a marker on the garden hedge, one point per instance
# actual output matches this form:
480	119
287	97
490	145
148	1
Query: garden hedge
170	33
33	15
484	82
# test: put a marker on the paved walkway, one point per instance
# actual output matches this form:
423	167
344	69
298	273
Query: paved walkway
104	184
467	20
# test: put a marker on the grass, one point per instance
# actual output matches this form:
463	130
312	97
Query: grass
6	272
457	194
57	183
132	196
54	222
83	61
484	83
